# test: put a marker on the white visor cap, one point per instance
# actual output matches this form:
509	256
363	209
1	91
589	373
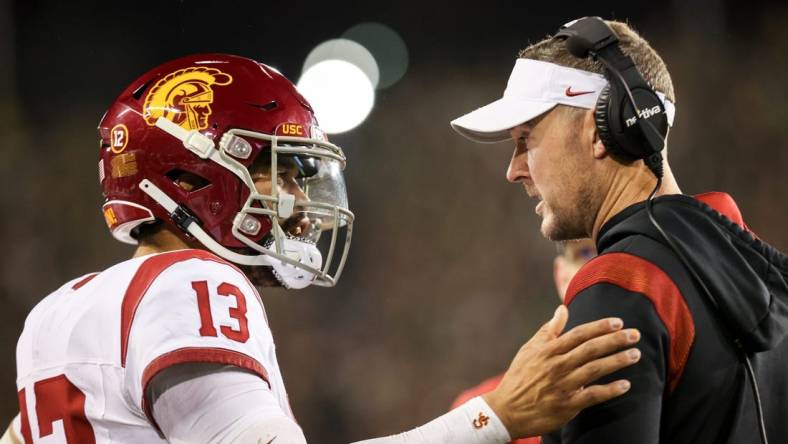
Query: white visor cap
534	88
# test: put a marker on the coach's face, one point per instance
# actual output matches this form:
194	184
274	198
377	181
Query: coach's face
554	160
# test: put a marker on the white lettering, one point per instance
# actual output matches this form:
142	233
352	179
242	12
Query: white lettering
644	114
118	142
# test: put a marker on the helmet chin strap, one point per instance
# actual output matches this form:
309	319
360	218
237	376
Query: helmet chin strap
285	269
193	140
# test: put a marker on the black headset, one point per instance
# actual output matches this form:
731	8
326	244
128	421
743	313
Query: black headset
630	117
632	124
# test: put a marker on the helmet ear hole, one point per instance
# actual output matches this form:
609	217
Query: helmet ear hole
187	181
137	94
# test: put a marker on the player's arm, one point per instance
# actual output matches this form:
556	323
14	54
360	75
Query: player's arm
12	433
634	417
207	403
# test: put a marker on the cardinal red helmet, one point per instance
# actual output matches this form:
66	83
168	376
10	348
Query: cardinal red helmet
212	116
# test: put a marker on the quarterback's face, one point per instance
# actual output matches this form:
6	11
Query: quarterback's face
286	181
552	164
297	225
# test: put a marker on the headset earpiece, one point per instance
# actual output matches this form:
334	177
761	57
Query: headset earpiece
623	133
601	118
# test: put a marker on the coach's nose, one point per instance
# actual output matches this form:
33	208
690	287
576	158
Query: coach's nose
518	166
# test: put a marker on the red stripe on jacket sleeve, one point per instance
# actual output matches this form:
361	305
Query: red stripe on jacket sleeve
640	276
141	282
185	355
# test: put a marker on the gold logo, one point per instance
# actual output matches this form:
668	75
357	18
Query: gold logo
184	97
292	129
123	165
109	216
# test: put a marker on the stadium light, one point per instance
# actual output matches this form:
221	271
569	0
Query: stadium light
340	92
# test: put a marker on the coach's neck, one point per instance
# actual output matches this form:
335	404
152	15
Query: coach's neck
626	185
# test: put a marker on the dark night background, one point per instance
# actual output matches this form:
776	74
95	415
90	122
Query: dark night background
448	274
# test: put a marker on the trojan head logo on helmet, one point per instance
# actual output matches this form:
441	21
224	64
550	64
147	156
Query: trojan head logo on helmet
184	97
263	181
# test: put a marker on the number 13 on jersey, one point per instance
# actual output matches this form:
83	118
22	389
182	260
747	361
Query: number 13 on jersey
207	326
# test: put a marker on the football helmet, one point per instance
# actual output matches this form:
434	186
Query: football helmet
213	117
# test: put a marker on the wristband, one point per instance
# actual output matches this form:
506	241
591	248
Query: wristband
471	423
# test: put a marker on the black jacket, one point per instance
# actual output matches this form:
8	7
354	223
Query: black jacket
690	385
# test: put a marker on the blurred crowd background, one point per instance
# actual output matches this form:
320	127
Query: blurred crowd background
448	273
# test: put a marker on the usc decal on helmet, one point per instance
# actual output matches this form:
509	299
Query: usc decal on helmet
184	97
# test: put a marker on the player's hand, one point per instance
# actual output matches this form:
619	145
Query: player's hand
547	383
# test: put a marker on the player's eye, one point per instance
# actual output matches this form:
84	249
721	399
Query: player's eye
288	176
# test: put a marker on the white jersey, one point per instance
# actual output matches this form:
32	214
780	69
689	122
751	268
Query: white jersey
89	349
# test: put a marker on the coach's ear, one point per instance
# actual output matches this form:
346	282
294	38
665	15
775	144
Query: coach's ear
591	135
